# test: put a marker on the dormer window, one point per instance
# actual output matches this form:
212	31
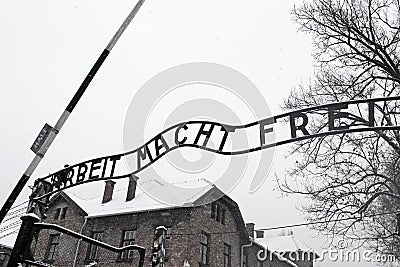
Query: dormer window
218	212
60	213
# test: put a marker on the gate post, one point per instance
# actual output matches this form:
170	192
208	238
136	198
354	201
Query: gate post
35	213
24	239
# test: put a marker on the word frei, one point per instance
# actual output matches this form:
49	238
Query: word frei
346	117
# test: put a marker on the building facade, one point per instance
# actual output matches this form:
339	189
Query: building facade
193	233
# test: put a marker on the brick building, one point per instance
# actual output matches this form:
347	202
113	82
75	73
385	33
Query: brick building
197	233
5	252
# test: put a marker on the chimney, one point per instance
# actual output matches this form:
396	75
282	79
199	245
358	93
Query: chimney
108	191
259	234
131	187
250	229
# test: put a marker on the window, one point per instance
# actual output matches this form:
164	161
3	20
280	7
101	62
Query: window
204	244
63	213
93	249
57	214
227	255
51	251
60	213
218	212
128	238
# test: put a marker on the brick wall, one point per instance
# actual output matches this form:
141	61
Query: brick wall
5	253
184	244
219	234
144	224
74	220
187	223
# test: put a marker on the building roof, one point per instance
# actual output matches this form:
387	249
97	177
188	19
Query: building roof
144	201
198	193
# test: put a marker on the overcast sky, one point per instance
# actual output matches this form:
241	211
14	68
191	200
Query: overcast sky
47	48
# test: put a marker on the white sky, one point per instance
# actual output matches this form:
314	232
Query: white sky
47	48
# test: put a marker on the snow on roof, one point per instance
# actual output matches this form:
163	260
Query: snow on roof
143	201
284	244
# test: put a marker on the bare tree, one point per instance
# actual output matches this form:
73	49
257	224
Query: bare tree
351	175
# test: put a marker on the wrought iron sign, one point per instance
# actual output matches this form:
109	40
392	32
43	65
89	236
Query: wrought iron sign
337	118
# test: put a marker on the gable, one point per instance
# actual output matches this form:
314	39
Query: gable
61	196
232	206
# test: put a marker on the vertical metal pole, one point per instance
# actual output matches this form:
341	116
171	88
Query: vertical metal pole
64	116
24	239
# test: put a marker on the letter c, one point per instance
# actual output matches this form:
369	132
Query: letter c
184	126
